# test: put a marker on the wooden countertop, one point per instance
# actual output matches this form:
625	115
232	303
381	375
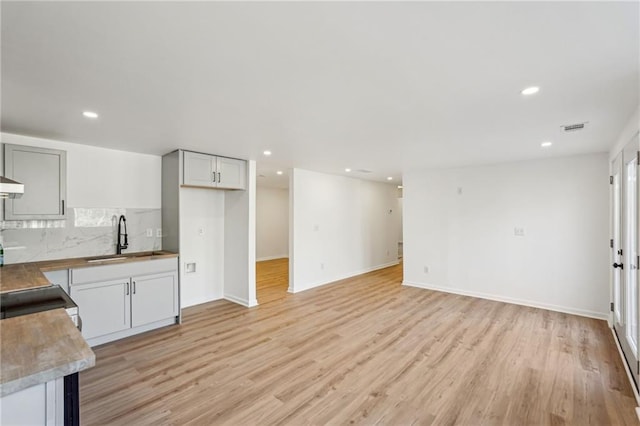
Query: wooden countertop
22	276
40	347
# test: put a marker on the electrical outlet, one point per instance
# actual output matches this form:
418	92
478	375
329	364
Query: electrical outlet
149	232
159	232
426	269
201	231
190	267
518	232
322	266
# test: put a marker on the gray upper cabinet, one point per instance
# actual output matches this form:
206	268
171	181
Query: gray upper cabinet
232	173
210	171
199	169
44	175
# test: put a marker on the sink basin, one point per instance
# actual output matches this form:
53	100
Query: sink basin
125	256
106	259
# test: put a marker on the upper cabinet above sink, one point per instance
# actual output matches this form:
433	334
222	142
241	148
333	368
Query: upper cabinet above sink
44	175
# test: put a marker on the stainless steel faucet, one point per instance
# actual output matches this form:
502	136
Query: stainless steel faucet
122	223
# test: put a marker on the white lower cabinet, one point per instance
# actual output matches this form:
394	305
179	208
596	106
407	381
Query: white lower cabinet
105	307
39	405
154	297
117	301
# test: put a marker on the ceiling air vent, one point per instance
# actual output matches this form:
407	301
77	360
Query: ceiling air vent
364	171
574	127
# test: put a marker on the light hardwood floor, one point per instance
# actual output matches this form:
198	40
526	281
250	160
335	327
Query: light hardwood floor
272	280
366	351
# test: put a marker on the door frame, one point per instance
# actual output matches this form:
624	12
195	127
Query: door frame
630	153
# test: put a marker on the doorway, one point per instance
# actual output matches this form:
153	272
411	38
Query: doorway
272	235
625	254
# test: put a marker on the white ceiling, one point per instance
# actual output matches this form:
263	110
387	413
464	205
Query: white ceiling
381	86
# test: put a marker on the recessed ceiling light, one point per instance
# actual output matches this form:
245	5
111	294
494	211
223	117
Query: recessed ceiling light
90	114
546	144
347	170
389	178
267	153
530	90
279	172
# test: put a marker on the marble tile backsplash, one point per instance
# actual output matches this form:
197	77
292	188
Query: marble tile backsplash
85	232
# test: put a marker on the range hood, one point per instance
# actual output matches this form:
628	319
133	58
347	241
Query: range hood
10	188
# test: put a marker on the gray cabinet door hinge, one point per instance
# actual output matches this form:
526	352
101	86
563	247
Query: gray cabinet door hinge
610	180
611	306
611	243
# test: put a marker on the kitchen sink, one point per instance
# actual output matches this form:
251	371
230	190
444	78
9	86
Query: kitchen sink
125	256
106	259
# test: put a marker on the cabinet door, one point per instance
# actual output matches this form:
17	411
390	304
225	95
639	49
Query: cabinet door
199	169
154	298
232	173
44	175
104	307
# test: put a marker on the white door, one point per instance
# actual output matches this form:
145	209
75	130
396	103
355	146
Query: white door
627	256
199	169
104	307
154	298
232	173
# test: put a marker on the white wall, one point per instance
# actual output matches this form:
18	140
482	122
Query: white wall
467	239
340	227
272	223
100	177
201	242
627	132
240	242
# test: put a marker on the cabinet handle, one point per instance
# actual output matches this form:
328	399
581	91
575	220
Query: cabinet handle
219	179
214	177
62	207
134	287
127	290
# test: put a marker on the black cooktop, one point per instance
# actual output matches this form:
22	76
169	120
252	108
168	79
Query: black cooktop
24	302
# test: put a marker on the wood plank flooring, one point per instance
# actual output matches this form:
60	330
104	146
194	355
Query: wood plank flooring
272	280
363	351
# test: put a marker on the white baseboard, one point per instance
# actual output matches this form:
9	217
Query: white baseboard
523	302
282	256
341	277
241	301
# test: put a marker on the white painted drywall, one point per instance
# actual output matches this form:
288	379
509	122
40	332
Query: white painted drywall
202	241
627	132
340	227
99	177
272	223
240	242
467	239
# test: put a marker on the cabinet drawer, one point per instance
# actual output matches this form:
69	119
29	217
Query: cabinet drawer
122	270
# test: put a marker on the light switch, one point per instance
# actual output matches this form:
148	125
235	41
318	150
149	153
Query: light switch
190	267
